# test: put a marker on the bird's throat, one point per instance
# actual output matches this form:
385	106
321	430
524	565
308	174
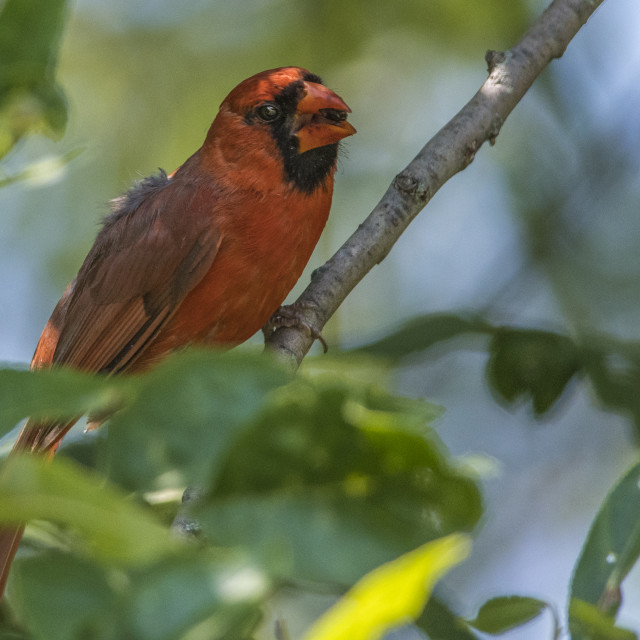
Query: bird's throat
310	170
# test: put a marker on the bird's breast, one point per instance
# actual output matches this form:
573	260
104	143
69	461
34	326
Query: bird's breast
265	244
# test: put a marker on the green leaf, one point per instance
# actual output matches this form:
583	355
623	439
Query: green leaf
423	332
30	99
169	599
186	414
331	469
531	363
392	594
43	171
610	551
119	531
588	623
10	628
62	597
55	393
440	623
614	369
502	614
135	581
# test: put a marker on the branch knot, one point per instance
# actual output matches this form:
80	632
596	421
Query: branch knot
405	182
408	184
494	58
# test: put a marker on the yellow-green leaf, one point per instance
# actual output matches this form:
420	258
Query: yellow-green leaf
392	594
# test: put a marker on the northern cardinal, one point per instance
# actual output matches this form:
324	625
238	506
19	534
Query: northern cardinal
205	255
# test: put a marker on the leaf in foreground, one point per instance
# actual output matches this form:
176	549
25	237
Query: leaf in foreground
391	595
186	414
60	596
340	472
31	488
54	393
63	597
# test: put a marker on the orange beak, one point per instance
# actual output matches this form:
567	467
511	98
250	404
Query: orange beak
321	118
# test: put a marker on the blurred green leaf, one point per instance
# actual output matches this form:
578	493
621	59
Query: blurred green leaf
610	551
318	462
64	597
392	594
421	333
134	581
42	172
522	362
54	393
464	27
169	599
614	369
587	622
531	363
14	635
30	99
502	614
119	531
336	473
10	628
185	415
363	379
440	623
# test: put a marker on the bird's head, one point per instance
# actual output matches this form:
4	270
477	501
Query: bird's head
288	115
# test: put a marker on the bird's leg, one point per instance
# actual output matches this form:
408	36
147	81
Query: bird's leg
292	316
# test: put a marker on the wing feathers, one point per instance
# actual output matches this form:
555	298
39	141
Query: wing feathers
146	259
142	265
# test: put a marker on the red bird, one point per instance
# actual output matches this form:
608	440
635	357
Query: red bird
207	254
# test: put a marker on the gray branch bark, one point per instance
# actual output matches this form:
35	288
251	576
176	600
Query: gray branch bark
451	150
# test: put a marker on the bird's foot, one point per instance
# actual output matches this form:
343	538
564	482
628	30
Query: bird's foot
291	316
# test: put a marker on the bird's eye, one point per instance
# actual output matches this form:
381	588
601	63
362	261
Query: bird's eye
268	112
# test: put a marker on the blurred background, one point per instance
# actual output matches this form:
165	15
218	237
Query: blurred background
542	230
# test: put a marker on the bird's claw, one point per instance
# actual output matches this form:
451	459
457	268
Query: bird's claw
291	316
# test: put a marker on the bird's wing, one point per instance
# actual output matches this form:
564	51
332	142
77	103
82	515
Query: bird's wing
147	257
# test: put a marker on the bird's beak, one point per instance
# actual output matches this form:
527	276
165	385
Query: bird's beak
321	118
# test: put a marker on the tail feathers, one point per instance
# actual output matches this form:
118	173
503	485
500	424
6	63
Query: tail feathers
35	437
42	437
9	542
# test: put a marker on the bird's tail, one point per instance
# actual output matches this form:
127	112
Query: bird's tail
9	542
40	437
35	437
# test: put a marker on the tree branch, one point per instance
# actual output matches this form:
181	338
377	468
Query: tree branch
451	150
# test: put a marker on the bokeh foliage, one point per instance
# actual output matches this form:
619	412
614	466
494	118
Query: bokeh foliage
525	364
322	478
30	98
315	479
